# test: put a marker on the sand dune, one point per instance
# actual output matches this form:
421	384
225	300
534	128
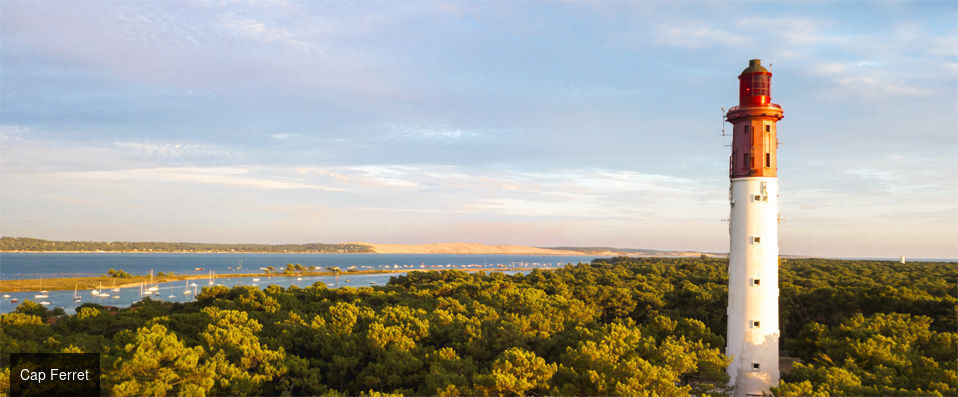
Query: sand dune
464	248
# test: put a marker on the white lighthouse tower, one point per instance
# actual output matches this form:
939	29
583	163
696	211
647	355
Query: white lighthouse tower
753	237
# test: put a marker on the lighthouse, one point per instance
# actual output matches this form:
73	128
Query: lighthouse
753	333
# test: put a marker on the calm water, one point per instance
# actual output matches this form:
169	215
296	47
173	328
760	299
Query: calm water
52	265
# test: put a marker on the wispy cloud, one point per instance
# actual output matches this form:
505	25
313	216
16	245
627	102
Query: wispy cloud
9	132
173	151
230	176
865	79
447	134
790	31
697	35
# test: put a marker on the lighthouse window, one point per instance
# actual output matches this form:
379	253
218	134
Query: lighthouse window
759	84
768	128
756	324
756	239
768	160
756	282
756	367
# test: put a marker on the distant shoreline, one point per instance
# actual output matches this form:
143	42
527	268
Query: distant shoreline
302	252
594	254
32	245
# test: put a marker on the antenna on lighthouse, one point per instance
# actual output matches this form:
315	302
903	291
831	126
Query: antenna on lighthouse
723	121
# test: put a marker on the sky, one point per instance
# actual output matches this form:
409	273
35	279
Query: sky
533	123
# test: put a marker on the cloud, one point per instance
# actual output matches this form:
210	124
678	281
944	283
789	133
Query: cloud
11	132
446	134
173	151
249	28
868	80
790	31
431	134
696	35
945	45
230	176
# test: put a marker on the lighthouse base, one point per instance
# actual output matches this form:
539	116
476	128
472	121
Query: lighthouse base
753	327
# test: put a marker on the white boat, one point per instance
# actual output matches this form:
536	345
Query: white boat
187	290
6	296
76	298
299	279
45	303
211	277
116	297
42	294
154	288
96	292
255	279
115	289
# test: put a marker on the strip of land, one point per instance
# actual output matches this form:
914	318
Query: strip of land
97	282
464	248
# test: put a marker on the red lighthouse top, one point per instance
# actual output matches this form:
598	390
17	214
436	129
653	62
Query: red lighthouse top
755	85
754	140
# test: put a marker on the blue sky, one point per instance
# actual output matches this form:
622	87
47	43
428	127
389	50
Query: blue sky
538	123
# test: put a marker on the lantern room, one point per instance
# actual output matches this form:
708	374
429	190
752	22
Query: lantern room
754	84
754	140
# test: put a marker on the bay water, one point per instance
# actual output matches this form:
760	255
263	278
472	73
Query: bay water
57	265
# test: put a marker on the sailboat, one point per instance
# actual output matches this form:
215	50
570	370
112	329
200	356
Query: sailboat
171	293
76	298
187	290
42	294
154	288
115	289
100	293
211	277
